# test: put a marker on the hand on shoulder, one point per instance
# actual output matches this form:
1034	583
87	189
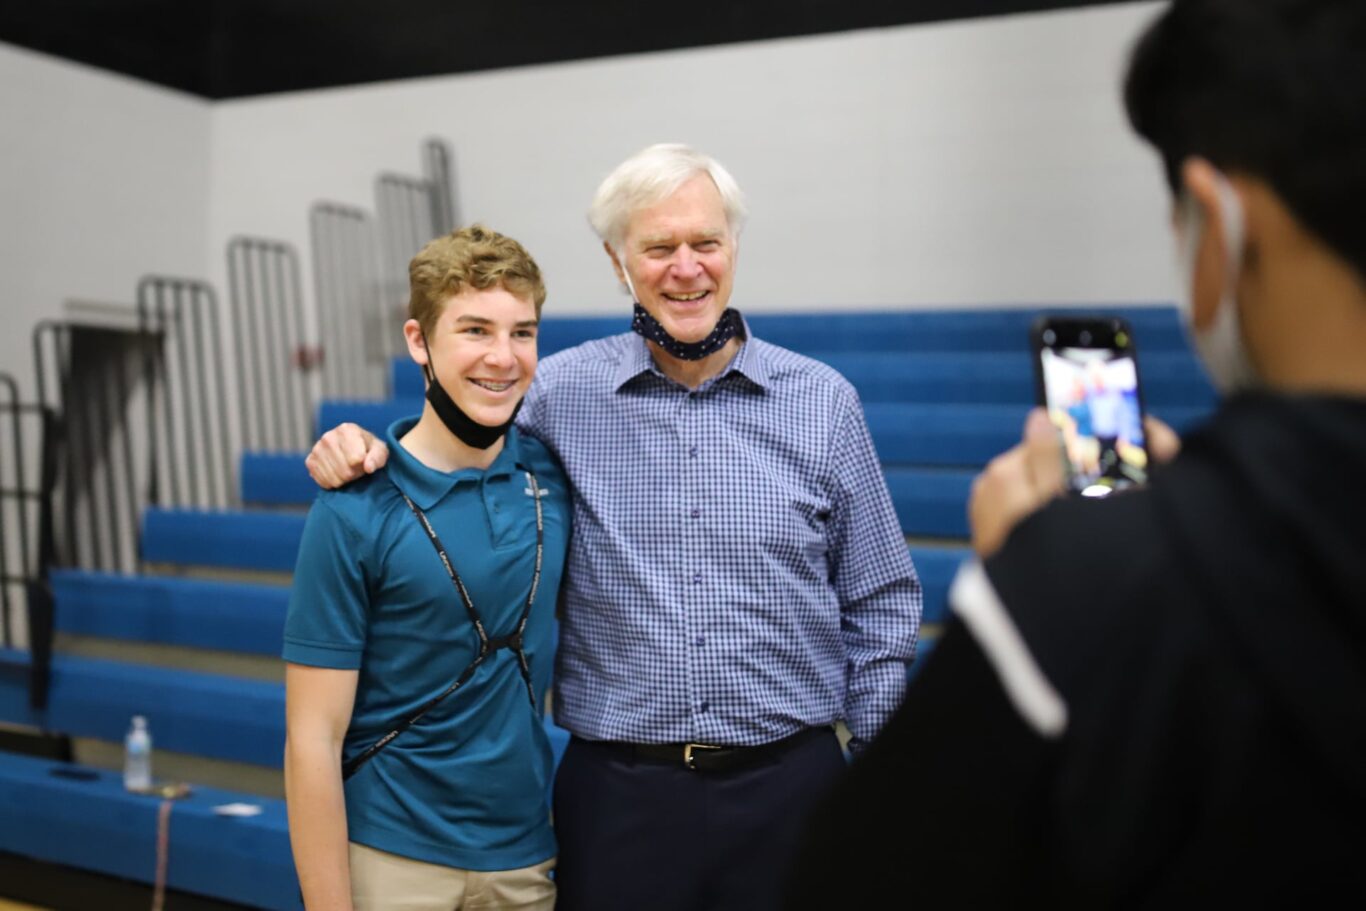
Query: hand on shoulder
343	454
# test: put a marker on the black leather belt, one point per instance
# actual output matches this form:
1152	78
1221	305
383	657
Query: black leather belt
705	757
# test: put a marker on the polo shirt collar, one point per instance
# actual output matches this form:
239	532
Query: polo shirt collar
427	486
749	362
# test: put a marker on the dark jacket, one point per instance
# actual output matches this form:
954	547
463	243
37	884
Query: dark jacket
1207	638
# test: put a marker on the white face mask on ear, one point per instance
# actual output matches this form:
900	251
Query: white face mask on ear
1221	347
630	288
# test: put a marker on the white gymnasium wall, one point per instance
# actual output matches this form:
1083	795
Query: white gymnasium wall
102	179
956	164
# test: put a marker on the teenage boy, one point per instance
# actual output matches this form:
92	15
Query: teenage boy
419	636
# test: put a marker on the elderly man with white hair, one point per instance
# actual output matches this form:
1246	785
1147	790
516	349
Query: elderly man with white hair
737	580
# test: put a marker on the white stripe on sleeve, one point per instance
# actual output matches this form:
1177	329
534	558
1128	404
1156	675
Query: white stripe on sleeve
974	599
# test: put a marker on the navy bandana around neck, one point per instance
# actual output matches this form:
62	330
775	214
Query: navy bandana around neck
727	327
466	429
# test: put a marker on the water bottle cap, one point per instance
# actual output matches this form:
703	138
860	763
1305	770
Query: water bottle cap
139	721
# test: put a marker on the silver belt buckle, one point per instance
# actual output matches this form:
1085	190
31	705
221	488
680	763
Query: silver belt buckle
689	761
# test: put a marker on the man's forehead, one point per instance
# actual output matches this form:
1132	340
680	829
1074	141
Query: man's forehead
656	234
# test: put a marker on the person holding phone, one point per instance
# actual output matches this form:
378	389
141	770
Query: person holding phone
1194	736
419	634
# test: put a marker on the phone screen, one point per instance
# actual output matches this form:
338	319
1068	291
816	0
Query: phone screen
1089	379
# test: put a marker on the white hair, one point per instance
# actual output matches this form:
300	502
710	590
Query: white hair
653	175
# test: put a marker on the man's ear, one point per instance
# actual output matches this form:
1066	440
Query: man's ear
417	345
617	265
1201	188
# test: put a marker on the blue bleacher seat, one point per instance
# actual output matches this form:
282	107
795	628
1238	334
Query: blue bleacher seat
191	712
201	613
63	814
224	538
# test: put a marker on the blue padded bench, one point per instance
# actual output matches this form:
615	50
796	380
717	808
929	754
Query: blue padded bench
910	331
1156	328
201	714
227	539
963	435
242	617
230	616
905	433
272	479
931	502
275	479
1170	378
90	822
373	416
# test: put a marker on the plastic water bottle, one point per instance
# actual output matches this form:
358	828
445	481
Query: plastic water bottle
137	756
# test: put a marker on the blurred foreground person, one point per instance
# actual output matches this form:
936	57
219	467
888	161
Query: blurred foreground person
1161	697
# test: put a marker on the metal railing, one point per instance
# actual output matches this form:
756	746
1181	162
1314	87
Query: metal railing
346	288
439	170
26	541
407	223
273	356
15	569
189	444
85	378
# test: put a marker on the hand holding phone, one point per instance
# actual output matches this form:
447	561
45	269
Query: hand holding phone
1086	377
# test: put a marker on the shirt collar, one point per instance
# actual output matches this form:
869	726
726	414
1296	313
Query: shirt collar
427	486
749	362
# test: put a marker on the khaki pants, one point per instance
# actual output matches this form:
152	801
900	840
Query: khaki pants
387	882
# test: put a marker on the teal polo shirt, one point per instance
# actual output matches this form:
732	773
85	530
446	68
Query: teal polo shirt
465	786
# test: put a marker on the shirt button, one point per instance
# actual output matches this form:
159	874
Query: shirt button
701	640
692	452
696	513
697	579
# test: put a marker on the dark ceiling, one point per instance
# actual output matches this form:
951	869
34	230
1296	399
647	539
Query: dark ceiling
232	48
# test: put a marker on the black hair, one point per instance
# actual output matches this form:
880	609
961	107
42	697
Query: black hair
1275	89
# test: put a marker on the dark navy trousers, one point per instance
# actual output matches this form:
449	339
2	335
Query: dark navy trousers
642	835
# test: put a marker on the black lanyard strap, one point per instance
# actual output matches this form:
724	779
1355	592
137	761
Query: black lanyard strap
487	645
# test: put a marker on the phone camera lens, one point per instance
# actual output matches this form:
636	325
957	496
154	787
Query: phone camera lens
1084	337
1049	336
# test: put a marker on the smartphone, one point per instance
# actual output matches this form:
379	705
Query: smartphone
1086	376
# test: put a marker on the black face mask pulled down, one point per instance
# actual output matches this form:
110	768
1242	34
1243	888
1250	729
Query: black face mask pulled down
466	429
727	327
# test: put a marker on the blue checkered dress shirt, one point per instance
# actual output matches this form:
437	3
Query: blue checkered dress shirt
736	571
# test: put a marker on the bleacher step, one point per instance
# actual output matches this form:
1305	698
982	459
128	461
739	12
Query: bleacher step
222	538
171	765
202	714
204	614
82	817
174	657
